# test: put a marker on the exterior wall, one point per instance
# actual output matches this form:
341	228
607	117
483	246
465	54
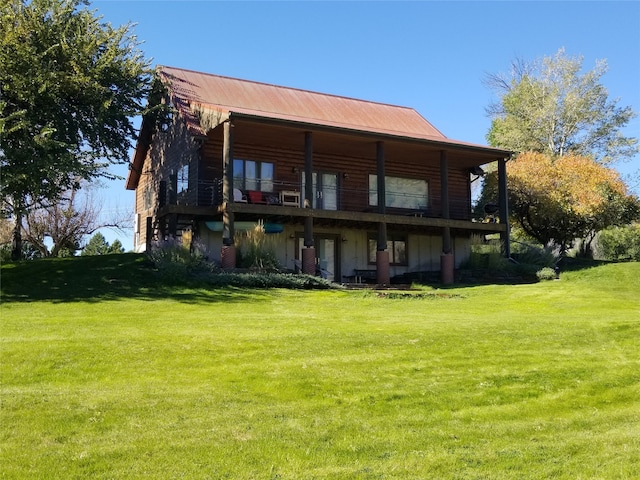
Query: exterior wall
168	152
353	173
423	250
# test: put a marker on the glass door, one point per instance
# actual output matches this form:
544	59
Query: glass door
327	264
325	190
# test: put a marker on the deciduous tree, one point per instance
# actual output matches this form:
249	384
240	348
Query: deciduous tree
69	86
59	229
556	201
550	106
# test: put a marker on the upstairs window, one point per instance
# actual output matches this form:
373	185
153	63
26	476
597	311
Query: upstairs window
400	192
183	179
253	175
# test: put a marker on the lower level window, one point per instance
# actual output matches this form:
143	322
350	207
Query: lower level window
396	246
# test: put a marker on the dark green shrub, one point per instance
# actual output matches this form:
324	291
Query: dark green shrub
177	263
269	280
527	254
619	243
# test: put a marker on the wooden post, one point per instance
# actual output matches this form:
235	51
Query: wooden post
382	254
308	188
173	189
447	263
444	199
227	184
149	234
381	185
503	206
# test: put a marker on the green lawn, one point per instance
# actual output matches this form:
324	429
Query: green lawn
107	374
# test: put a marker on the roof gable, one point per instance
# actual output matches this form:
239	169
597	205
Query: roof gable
190	90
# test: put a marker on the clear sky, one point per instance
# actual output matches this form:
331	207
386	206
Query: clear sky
428	55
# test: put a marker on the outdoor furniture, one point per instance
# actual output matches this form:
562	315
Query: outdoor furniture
290	198
362	276
256	197
238	196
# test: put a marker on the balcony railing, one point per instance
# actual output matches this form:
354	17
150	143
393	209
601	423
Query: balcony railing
342	198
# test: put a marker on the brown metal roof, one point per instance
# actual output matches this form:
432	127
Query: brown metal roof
190	90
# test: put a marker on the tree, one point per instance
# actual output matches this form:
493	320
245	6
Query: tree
558	200
550	107
98	245
58	229
69	86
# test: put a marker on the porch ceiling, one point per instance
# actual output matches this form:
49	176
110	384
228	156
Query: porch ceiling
360	144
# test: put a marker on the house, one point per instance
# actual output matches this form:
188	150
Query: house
352	188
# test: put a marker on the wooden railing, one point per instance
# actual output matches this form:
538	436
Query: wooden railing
347	199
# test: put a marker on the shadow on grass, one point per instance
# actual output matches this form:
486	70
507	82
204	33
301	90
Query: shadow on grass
516	274
100	278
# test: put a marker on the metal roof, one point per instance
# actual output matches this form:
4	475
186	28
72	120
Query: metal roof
225	97
189	90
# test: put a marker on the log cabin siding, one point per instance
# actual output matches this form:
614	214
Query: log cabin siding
347	150
353	174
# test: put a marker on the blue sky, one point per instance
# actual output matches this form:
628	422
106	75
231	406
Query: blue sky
428	55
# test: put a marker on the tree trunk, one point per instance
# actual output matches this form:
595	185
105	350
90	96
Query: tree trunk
16	243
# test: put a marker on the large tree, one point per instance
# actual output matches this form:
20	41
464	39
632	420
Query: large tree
556	200
59	229
551	106
98	245
69	86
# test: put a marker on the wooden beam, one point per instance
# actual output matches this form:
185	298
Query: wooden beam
382	196
444	198
272	211
308	187
227	183
503	207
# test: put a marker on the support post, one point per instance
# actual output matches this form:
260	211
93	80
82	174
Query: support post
503	206
228	253
382	254
149	234
309	260
227	184
308	189
447	263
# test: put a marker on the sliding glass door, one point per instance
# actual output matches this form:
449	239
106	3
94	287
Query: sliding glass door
325	190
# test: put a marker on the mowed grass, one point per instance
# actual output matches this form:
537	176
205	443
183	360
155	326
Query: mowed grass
134	379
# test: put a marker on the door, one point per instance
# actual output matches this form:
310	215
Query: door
327	262
325	190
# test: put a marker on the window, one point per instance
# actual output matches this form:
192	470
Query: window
396	246
147	198
183	179
253	175
400	192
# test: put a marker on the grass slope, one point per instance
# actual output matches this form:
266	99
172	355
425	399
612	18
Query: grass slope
107	373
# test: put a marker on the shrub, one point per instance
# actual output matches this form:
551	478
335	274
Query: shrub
176	262
269	280
527	254
256	250
619	243
486	255
546	273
